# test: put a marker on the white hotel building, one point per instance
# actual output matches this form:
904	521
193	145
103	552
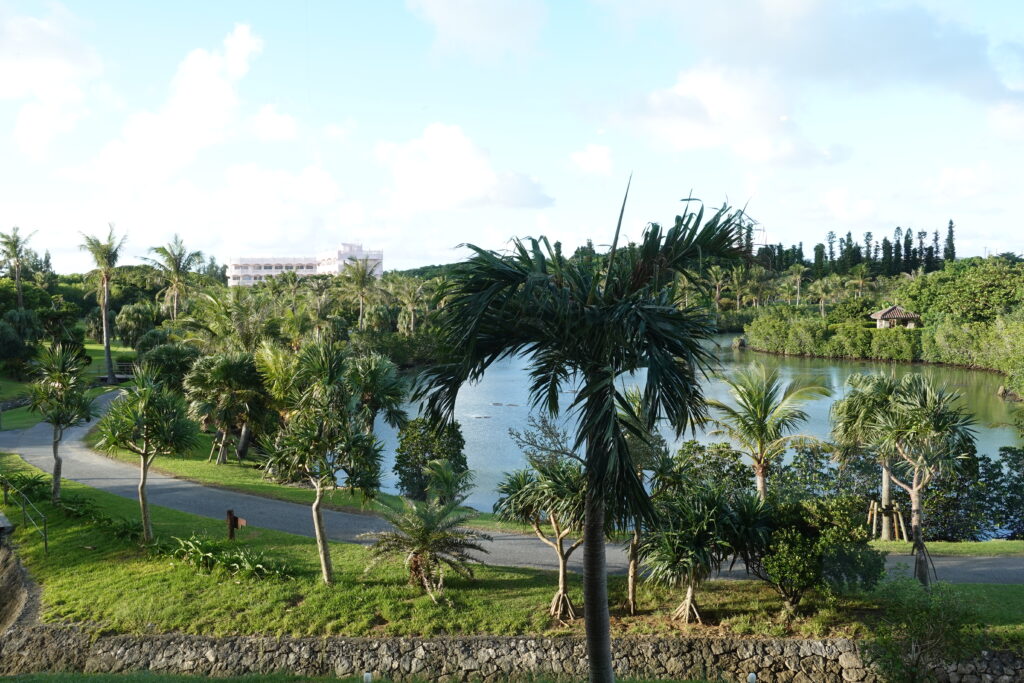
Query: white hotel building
247	271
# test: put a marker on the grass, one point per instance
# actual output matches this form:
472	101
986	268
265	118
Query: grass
11	388
998	548
89	571
248	477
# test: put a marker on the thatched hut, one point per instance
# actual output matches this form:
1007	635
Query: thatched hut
895	316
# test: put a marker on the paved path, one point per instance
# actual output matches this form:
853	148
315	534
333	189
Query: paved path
513	550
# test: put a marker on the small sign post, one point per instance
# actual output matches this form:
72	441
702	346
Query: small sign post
233	524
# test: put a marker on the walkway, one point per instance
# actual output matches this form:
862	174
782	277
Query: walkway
83	465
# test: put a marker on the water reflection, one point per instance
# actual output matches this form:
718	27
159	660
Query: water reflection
501	400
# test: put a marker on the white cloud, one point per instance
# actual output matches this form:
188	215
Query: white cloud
593	159
44	66
711	107
444	169
1007	119
270	125
483	28
340	132
201	110
845	208
964	182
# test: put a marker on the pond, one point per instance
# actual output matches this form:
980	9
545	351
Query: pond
486	410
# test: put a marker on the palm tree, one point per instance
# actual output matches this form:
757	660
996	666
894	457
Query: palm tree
105	254
929	432
859	278
409	294
819	289
717	279
374	379
148	419
14	249
59	395
578	320
429	537
359	282
174	263
797	272
552	491
765	413
226	390
853	418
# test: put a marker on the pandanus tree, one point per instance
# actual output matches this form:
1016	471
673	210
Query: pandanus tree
928	431
149	420
174	266
14	250
854	418
105	254
59	396
551	493
584	322
766	412
324	434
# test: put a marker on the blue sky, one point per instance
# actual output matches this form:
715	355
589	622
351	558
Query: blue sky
255	128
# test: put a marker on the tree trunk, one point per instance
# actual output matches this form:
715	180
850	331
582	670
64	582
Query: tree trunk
242	448
595	591
887	521
321	536
147	526
105	314
56	465
760	477
561	606
17	286
920	552
634	565
688	607
798	292
222	452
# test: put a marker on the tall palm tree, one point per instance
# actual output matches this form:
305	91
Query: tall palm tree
149	420
581	321
59	395
410	295
105	254
928	431
174	263
765	413
853	418
717	278
14	248
429	537
359	282
859	278
796	273
819	289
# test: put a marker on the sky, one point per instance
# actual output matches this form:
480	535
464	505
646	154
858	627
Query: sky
268	128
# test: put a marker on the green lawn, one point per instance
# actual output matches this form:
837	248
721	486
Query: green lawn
248	478
23	418
960	548
97	367
90	569
11	388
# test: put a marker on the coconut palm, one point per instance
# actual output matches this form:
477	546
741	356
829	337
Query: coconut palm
765	413
853	418
429	537
859	278
323	434
59	395
796	274
105	254
717	279
578	320
929	432
231	319
174	265
552	492
359	282
14	250
148	419
410	295
819	289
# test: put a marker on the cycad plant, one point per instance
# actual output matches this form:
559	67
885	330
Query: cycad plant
430	538
765	413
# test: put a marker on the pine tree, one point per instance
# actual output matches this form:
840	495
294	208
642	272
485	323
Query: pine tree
949	250
868	246
820	267
831	238
887	262
897	251
909	257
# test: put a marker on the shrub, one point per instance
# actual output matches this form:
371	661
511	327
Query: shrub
35	487
418	444
896	344
207	555
152	339
850	340
171	362
921	628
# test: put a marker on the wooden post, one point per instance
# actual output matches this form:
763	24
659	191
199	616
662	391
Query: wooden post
903	526
233	524
875	519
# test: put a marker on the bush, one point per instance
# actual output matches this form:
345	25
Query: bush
920	629
35	487
850	340
152	339
207	555
896	344
171	362
418	444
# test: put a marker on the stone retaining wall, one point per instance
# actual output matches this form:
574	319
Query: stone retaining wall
13	591
55	648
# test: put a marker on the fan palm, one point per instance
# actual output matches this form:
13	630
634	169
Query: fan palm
105	254
429	537
226	390
582	321
14	250
148	419
174	264
59	395
380	390
766	411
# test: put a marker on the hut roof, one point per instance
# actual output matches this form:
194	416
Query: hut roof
894	313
